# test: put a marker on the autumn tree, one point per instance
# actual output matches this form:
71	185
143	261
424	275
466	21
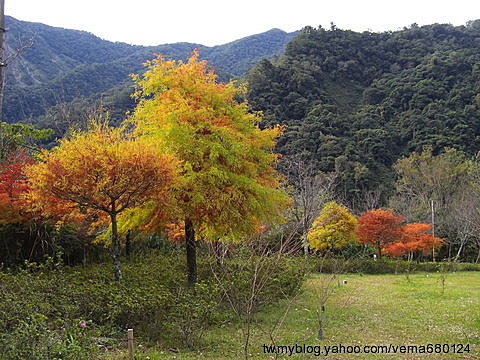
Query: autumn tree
228	185
334	228
415	237
379	228
13	188
101	170
26	232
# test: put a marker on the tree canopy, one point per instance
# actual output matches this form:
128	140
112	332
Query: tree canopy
379	228
104	171
414	238
334	228
228	185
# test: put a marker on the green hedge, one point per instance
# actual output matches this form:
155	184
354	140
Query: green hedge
386	266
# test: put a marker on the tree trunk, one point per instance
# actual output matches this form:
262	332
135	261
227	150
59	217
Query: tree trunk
128	244
218	251
459	251
115	248
305	236
379	250
191	252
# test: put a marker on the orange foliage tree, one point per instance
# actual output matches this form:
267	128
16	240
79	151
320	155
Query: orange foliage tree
19	210
101	170
13	188
228	185
379	228
414	238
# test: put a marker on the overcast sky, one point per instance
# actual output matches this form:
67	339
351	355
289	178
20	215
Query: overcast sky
214	22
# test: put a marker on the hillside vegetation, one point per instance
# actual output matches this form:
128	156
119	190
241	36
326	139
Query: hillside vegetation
64	65
356	102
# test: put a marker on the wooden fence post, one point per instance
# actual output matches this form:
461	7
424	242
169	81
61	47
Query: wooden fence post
130	343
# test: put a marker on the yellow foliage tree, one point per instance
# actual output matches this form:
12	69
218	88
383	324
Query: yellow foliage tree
228	185
334	228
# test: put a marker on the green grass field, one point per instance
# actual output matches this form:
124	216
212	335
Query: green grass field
368	310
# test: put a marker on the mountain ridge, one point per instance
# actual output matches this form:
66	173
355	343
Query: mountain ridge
63	64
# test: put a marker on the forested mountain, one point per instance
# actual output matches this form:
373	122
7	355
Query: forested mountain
353	102
356	102
64	65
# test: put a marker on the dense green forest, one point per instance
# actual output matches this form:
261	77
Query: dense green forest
356	102
64	65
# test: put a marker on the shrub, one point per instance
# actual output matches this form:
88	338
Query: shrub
34	338
43	305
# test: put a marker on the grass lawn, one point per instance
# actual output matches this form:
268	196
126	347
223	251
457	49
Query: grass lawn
368	310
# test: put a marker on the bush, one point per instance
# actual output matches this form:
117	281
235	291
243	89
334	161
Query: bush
193	309
34	338
250	282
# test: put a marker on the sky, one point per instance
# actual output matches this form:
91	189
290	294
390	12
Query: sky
215	22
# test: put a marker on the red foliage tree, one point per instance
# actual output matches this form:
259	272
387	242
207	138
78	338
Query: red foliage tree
13	188
380	227
415	238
